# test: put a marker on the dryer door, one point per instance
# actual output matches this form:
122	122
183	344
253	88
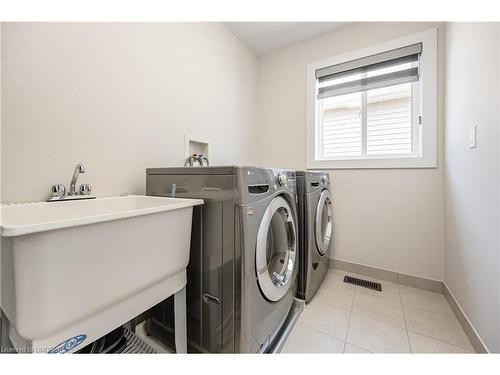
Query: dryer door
276	250
323	226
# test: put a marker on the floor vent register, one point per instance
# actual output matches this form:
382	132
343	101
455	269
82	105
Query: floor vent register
363	283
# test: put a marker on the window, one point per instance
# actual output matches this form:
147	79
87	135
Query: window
367	111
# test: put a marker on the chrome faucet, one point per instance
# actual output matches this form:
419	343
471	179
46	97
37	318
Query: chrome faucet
59	192
78	169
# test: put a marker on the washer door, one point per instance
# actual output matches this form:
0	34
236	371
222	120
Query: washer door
324	222
276	249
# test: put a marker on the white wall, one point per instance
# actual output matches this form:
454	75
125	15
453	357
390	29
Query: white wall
392	219
0	170
472	176
499	169
119	98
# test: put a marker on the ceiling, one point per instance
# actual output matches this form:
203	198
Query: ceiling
265	37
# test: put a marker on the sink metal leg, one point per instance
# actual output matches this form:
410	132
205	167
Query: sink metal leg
180	321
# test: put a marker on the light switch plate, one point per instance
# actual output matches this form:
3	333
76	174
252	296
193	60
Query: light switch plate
473	136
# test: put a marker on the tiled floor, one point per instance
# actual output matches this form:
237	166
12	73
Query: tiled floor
344	318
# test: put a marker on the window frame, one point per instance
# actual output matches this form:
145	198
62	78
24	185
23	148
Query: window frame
427	100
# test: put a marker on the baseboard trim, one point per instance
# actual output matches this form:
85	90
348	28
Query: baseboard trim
418	282
471	333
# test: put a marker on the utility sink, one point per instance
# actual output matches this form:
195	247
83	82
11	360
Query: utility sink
74	270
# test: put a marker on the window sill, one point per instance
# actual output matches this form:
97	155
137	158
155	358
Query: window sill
381	163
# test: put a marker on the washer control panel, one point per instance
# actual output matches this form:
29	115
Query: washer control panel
282	179
260	181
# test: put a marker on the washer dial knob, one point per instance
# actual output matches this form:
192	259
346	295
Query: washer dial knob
324	179
282	179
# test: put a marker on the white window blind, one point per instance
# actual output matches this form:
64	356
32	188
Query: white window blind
366	107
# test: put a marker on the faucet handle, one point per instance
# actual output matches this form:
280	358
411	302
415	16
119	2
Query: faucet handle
85	189
58	190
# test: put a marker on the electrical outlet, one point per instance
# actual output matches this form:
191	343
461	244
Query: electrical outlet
473	136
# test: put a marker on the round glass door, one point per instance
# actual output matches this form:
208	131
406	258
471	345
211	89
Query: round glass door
324	222
276	249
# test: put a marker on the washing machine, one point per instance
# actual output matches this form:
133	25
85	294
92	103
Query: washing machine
243	267
270	245
315	217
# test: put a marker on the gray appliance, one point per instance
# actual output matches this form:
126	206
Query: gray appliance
243	261
315	214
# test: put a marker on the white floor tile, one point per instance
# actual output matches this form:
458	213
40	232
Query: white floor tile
441	327
325	318
424	344
376	336
425	300
335	296
335	278
351	349
307	340
379	309
378	322
389	291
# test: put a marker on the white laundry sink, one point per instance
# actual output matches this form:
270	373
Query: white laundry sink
75	269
